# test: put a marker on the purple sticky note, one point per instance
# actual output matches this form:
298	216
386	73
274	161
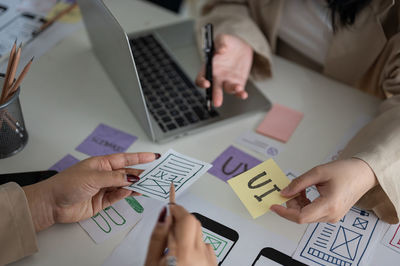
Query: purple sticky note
64	163
231	163
106	140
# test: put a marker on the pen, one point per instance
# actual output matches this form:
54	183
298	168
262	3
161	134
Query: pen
209	53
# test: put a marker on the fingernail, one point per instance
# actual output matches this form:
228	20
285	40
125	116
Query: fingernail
163	215
157	155
132	178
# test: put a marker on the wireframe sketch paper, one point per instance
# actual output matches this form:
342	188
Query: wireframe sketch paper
392	238
232	162
117	217
260	144
238	242
348	242
66	162
174	167
260	187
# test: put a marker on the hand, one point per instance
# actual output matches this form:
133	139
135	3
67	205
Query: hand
184	240
231	67
84	189
340	184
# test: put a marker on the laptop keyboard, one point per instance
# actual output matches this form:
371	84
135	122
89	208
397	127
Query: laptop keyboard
171	97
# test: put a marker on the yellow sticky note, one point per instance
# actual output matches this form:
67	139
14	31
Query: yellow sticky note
259	187
72	17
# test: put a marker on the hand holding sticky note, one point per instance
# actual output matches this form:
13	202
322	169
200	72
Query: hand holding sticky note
259	187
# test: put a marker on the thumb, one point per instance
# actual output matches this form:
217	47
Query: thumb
301	183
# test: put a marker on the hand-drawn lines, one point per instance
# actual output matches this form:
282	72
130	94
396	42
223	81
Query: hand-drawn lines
343	243
395	241
346	243
113	215
172	168
216	243
360	223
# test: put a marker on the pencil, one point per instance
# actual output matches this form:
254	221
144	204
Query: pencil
172	193
55	18
14	67
7	77
19	80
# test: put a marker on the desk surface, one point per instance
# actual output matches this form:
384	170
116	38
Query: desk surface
67	94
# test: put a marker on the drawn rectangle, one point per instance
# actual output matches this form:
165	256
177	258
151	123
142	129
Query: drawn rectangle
392	238
171	167
348	242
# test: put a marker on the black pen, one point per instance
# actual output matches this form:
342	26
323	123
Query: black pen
209	53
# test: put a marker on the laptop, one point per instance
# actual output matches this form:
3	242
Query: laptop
154	71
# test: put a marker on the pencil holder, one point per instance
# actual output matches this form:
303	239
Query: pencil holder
13	134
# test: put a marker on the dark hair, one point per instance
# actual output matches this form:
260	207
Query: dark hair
346	11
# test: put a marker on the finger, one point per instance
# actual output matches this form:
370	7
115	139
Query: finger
201	81
105	179
309	214
172	244
232	88
110	198
122	160
217	92
178	213
221	44
242	95
159	238
131	171
304	181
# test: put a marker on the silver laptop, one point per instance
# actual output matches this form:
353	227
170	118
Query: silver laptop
154	71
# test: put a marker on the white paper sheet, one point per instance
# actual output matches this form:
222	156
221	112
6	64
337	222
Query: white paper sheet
260	144
348	242
117	217
252	238
392	238
174	167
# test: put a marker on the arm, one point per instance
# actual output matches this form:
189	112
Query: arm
367	173
72	195
17	232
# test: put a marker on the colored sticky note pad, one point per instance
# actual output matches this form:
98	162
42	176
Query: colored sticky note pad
280	123
64	163
260	187
106	140
73	16
232	162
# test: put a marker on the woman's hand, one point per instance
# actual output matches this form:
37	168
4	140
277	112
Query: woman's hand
340	184
181	234
84	189
231	67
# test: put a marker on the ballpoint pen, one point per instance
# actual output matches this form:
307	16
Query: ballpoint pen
209	53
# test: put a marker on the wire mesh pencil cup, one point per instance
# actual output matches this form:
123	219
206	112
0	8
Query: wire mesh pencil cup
13	134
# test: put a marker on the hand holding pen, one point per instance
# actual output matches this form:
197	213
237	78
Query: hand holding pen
180	234
209	54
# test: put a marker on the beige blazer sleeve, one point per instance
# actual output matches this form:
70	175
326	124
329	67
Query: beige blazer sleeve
378	144
234	17
17	233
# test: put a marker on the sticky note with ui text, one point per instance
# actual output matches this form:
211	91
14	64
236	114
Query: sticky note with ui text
259	187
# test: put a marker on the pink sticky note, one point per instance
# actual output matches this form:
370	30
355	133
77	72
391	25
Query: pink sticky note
280	123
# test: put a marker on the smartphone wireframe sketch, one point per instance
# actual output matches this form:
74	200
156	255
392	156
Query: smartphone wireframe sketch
270	256
220	237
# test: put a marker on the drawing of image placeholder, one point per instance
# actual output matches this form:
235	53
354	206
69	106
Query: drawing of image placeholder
392	238
347	242
173	167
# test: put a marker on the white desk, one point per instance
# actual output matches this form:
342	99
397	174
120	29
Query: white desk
67	94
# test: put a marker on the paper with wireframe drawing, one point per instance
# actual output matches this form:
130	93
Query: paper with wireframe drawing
174	167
